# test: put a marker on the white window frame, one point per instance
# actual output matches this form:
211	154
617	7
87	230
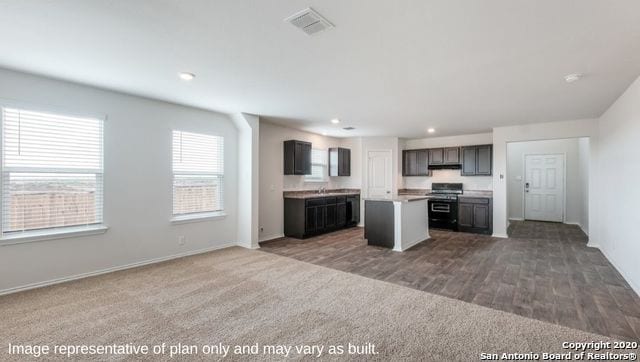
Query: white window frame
57	232
204	215
324	164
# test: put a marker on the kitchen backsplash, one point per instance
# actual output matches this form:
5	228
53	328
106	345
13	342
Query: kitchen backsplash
468	182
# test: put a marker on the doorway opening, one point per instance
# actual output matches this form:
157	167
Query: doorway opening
548	181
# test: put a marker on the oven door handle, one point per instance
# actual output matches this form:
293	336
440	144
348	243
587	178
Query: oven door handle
445	208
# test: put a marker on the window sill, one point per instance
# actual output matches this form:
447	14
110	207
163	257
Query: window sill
205	216
316	181
31	236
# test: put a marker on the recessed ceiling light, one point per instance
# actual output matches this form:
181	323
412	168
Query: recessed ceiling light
570	78
186	76
431	130
335	121
324	133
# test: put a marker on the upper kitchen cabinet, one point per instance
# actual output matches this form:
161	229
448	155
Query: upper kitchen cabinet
339	162
476	160
452	155
297	158
415	163
444	156
436	156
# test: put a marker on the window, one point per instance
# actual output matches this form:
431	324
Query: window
52	171
198	174
318	166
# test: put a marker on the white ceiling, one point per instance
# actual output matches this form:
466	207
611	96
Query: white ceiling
387	68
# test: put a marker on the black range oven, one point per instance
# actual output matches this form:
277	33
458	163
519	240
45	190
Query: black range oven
443	205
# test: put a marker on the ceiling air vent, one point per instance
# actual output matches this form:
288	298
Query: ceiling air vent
349	128
309	21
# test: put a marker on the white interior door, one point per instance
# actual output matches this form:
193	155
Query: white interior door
379	174
544	187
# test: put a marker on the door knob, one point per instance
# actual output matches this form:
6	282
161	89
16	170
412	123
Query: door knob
388	192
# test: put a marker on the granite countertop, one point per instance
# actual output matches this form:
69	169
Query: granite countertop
467	193
400	198
310	194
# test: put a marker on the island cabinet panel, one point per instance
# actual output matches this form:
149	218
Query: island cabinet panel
297	158
475	215
379	223
317	215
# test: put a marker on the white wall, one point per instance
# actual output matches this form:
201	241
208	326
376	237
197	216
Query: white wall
583	160
576	189
137	183
273	181
248	126
619	171
468	182
535	132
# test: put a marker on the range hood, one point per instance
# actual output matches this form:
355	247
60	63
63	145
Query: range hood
445	167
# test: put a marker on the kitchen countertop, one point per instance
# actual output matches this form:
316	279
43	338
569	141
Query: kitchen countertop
474	193
400	198
314	194
466	193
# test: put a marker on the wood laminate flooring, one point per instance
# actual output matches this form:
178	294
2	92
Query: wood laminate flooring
543	271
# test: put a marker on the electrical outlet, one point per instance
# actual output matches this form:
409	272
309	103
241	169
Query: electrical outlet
181	240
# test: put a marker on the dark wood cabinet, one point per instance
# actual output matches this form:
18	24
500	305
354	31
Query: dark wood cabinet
339	162
313	216
415	163
475	215
469	161
310	219
331	216
474	160
452	155
477	160
341	214
297	158
436	156
484	162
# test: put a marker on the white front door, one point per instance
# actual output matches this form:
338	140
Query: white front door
544	187
379	174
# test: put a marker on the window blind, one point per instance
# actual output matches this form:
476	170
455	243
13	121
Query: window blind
52	171
198	173
318	166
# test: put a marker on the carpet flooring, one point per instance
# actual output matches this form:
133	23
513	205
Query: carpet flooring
243	297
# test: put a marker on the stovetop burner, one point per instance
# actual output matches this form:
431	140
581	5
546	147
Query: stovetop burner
445	191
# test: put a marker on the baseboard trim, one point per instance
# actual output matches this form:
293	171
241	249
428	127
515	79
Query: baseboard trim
635	287
503	236
578	225
112	269
516	219
271	237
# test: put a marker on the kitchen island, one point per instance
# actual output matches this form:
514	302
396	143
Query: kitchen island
398	223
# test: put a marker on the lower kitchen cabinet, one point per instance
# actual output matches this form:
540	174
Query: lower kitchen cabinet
475	215
318	215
